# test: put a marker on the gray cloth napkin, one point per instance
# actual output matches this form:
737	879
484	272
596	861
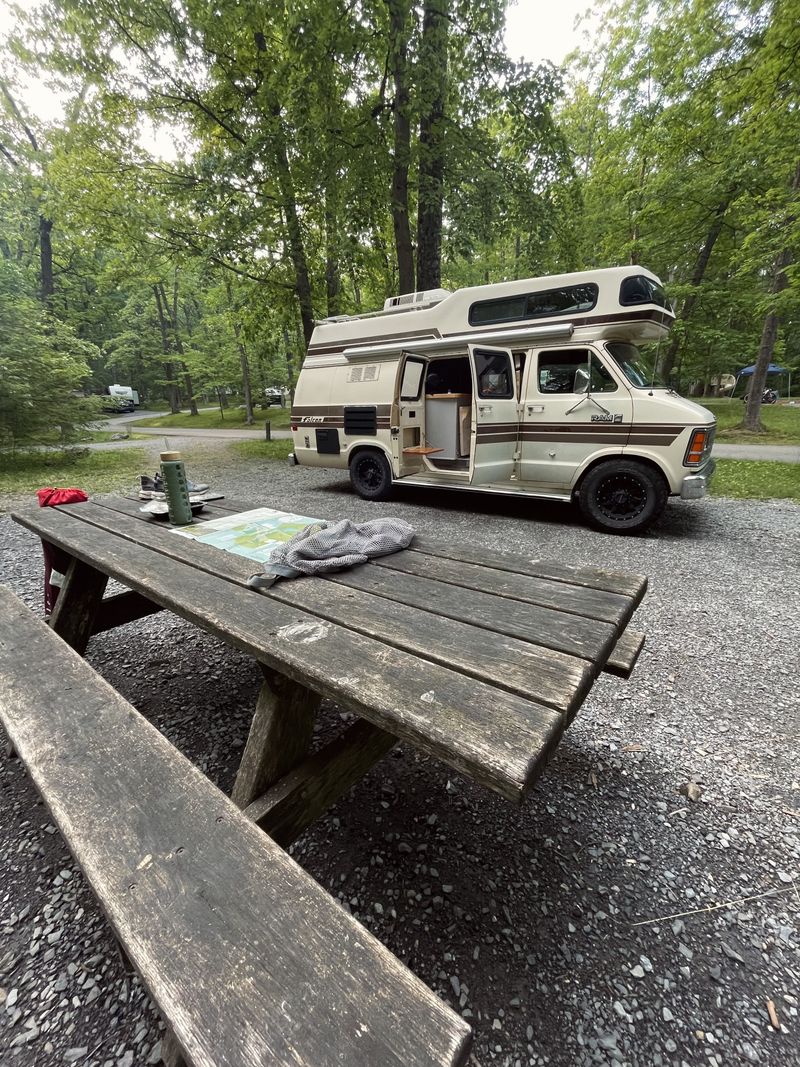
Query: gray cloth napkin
322	548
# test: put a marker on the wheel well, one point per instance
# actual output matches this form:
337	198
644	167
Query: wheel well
642	460
369	448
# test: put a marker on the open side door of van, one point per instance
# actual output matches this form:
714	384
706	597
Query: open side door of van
495	415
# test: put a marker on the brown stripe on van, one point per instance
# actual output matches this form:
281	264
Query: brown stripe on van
335	409
573	438
488	427
653	438
577	319
497	438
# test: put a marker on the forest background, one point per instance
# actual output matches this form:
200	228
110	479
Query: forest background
325	154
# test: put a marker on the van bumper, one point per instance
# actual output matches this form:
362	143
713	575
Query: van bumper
696	485
293	460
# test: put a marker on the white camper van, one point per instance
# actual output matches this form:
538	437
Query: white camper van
533	388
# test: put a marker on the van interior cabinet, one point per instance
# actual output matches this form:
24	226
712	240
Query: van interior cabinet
444	421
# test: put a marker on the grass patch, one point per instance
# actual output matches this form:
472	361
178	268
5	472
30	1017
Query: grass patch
96	472
232	420
262	449
756	479
782	423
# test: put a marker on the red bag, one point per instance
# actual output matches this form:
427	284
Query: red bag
55	559
51	498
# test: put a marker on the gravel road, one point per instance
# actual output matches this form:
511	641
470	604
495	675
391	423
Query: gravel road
611	920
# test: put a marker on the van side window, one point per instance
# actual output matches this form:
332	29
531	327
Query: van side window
566	300
568	371
495	375
412	379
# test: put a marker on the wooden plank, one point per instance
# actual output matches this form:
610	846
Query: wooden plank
625	653
122	608
498	738
577	636
249	959
291	805
556	679
633	585
280	736
575	599
625	584
550	677
77	604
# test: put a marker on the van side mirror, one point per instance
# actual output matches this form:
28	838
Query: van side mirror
582	380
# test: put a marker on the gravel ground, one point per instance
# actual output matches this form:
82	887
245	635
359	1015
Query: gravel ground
610	920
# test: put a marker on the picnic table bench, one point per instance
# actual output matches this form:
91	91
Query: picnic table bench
251	962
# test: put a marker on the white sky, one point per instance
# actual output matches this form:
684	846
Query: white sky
544	29
535	30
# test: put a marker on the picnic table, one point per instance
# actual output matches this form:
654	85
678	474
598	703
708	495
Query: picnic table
479	658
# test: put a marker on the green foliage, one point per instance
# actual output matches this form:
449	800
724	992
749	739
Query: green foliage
756	480
685	123
42	369
672	141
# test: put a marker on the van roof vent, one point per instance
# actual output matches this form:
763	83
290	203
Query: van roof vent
416	300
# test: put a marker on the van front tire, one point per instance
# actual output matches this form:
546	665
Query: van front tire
371	475
622	496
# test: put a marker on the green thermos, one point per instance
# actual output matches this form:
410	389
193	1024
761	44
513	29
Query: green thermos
176	489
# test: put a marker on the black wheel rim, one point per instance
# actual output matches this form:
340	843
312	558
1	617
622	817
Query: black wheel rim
370	474
621	497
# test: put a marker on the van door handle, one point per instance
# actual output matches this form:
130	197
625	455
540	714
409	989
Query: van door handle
485	408
535	408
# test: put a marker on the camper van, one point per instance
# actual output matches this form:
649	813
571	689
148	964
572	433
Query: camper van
534	388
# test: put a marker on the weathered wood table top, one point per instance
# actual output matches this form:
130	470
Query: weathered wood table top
478	658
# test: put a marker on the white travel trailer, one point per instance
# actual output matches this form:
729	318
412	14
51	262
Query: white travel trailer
534	388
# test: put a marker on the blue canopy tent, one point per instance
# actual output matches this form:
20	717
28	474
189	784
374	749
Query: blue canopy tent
773	368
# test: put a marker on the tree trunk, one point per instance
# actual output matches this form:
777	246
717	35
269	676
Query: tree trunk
289	365
769	332
169	370
173	313
433	87
294	232
399	19
333	282
701	263
247	392
45	258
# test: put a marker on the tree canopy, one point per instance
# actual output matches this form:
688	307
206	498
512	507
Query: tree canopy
312	159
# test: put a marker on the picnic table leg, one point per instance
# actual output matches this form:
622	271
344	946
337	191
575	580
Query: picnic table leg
280	735
171	1052
76	608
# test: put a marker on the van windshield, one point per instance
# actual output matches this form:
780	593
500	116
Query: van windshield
637	363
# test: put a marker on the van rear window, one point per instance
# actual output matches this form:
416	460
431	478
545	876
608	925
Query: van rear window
566	300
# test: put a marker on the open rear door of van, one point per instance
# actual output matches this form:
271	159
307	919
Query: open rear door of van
495	415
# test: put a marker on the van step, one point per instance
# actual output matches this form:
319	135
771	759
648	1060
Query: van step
455	480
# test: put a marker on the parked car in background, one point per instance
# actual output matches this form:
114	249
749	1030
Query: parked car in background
275	395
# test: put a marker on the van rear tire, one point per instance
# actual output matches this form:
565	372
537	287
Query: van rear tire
622	496
371	475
